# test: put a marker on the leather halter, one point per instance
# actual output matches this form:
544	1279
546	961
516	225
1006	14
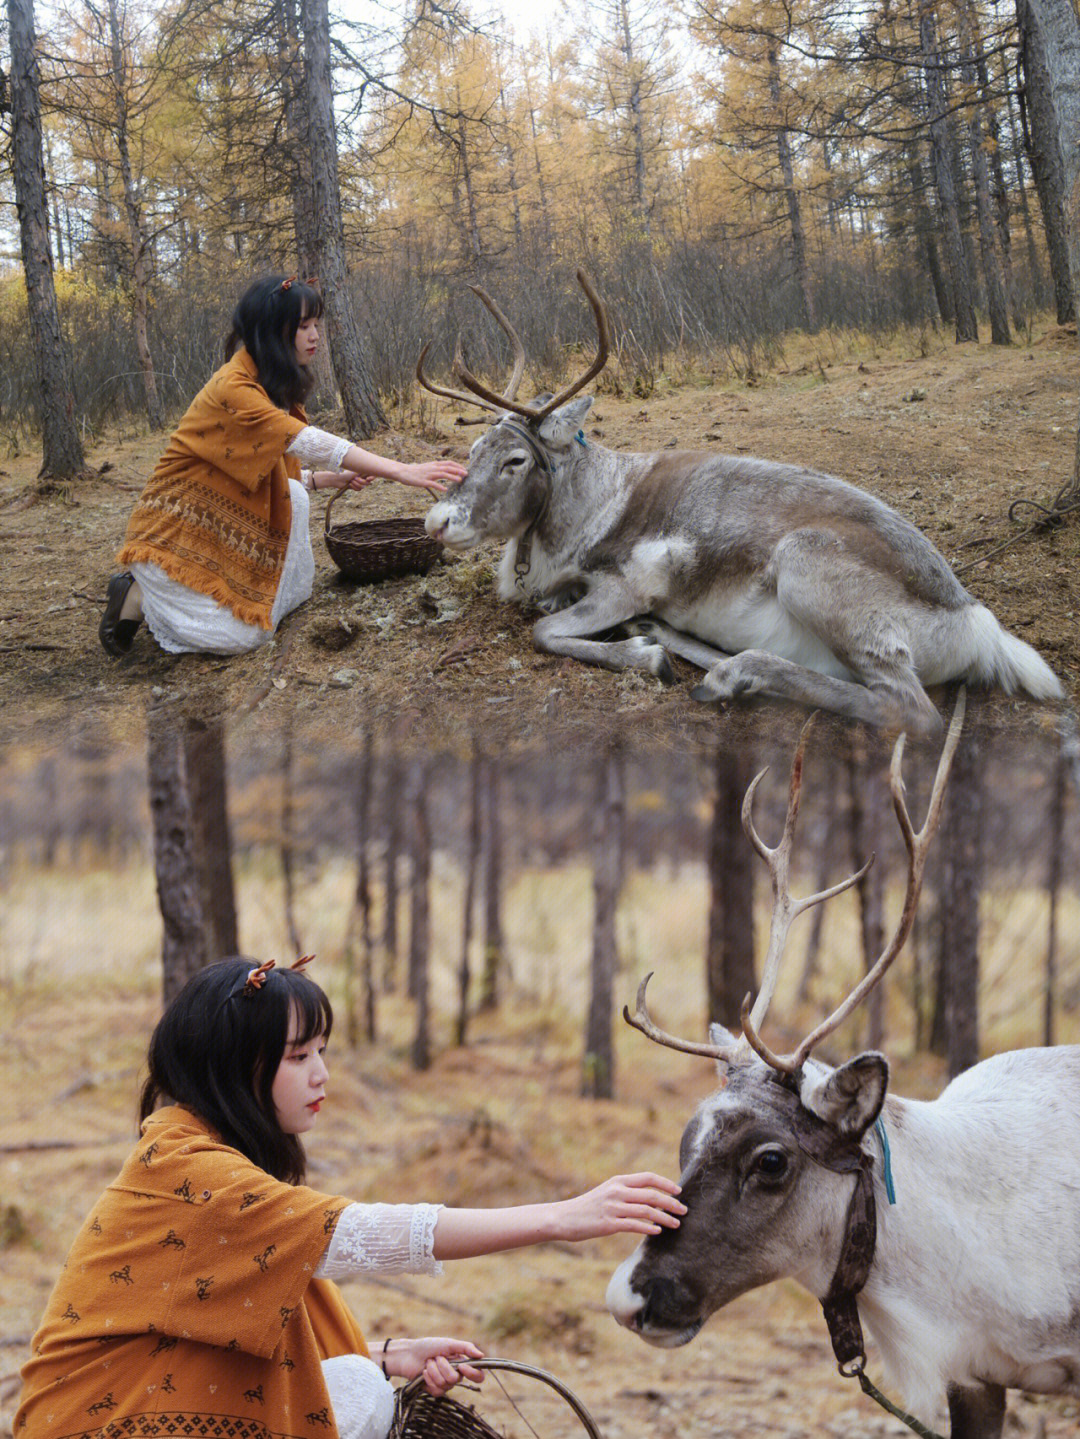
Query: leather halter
823	1144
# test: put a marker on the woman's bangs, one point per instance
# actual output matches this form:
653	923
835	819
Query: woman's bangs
311	302
313	1012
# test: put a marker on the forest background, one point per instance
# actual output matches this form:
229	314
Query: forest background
745	182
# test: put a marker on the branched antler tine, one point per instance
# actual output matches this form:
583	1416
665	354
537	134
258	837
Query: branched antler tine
498	402
511	334
918	846
603	349
437	390
780	1062
641	1019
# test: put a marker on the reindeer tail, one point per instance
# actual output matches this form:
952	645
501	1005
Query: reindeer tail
999	658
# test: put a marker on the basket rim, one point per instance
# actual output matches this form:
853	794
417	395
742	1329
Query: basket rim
517	1367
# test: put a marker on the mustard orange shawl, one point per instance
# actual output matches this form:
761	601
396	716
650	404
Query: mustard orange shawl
216	513
187	1303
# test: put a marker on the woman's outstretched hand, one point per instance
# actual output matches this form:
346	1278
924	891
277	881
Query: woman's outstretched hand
431	1358
431	474
627	1204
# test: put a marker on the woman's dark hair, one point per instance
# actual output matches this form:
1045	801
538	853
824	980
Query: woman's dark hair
216	1050
265	322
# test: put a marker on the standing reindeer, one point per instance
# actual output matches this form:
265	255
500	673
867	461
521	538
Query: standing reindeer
970	1281
775	579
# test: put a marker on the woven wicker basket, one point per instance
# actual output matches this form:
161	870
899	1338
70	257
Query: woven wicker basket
417	1415
367	550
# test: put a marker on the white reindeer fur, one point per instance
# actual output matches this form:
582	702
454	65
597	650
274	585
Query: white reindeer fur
976	1275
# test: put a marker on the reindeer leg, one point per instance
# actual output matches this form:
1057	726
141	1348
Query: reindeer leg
607	604
677	642
857	616
976	1413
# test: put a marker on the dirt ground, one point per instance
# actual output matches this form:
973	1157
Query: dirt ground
499	1122
951	438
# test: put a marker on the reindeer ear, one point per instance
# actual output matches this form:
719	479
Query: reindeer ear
562	424
723	1039
849	1098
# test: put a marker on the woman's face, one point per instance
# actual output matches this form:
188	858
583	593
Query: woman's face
299	1086
307	339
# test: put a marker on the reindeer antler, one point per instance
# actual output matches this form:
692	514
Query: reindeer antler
641	1019
481	394
785	909
918	845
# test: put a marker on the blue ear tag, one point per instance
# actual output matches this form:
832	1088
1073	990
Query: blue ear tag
582	441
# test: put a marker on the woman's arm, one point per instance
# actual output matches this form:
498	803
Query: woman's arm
629	1203
357	467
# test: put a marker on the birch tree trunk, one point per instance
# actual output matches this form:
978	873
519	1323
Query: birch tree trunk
62	453
363	413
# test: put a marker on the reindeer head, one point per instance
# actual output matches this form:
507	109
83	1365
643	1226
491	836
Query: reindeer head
511	467
767	1161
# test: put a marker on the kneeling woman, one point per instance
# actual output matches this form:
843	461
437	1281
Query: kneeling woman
198	1298
218	549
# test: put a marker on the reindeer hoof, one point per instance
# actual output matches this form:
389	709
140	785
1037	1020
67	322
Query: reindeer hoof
663	670
704	695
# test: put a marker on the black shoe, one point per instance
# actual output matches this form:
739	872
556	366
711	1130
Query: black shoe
117	635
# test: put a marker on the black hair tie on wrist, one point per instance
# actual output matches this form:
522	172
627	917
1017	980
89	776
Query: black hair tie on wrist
386	1345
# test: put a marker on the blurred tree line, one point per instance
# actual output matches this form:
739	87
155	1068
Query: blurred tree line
756	168
197	805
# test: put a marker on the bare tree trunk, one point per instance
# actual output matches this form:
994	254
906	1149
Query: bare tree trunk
829	832
62	453
392	809
360	915
1044	153
183	951
729	953
946	169
991	260
288	841
637	131
598	1063
420	910
960	906
472	866
204	763
363	413
137	235
1059	27
795	219
866	787
1053	888
494	944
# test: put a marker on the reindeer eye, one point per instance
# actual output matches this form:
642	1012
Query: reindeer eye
771	1163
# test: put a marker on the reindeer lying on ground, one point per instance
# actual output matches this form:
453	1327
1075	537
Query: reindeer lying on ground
821	593
969	1282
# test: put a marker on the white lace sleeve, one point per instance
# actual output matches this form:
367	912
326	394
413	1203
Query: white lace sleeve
361	1397
318	449
382	1239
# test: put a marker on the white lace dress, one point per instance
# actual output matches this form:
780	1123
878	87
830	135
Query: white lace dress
182	620
373	1239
